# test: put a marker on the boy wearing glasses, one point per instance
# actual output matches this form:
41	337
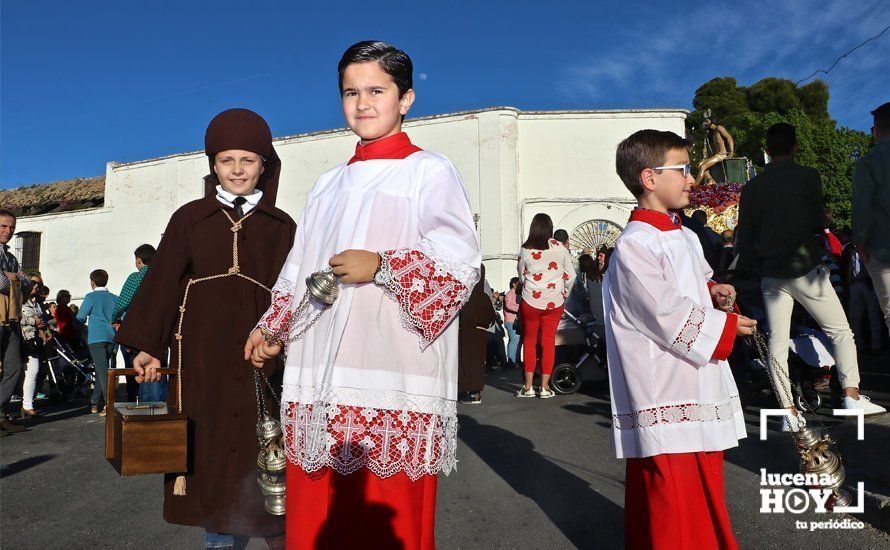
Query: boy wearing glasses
675	406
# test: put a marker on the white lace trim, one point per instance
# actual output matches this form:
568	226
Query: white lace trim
466	274
685	340
346	438
673	414
284	286
277	320
277	317
373	398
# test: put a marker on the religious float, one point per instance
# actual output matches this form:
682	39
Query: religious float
721	176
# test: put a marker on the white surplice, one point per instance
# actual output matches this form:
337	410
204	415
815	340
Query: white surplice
668	393
373	383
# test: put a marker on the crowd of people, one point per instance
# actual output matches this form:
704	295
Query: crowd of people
42	339
368	382
578	289
527	336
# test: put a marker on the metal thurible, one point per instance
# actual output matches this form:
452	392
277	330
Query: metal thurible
272	460
321	288
268	428
322	285
816	453
818	458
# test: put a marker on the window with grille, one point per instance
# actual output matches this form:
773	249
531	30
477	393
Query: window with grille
28	250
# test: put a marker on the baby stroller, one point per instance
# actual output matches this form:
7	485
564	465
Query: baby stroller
810	351
809	355
580	353
71	369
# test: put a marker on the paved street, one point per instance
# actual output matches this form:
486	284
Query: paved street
532	474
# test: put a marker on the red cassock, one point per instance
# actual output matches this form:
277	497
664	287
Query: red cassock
676	501
675	404
328	510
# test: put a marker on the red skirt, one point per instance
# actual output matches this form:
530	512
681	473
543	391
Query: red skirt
327	510
676	501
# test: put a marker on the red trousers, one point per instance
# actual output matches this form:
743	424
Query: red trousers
327	510
676	501
534	321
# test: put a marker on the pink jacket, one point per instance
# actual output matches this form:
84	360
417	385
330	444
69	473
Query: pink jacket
511	303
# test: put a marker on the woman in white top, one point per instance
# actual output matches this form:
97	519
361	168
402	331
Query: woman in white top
547	273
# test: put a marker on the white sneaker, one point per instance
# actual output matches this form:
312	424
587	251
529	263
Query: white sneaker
863	403
525	392
546	393
791	423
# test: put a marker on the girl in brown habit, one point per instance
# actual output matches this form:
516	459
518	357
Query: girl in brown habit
231	244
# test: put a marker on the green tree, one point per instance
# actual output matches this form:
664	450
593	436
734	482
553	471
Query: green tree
814	99
723	97
822	144
773	95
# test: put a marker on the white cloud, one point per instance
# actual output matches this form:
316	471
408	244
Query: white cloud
747	40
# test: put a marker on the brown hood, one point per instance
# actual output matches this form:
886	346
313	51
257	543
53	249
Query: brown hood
245	130
268	183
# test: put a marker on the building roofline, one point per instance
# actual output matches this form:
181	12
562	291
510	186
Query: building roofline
420	120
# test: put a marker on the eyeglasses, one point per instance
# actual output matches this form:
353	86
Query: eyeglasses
686	168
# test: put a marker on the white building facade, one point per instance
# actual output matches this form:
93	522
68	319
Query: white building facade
514	164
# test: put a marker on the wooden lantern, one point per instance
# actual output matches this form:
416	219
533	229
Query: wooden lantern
145	439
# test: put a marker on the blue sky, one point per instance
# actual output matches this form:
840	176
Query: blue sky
84	83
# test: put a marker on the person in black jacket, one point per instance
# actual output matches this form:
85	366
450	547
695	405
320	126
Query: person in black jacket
781	222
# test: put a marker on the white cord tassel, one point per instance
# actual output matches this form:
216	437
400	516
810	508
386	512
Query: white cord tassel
179	486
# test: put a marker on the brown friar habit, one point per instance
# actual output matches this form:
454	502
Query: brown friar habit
218	393
473	341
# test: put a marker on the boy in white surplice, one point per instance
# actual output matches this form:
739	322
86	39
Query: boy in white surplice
675	406
368	404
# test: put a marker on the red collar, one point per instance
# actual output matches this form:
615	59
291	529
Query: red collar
658	220
396	146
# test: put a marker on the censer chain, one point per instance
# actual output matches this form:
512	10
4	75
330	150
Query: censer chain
260	380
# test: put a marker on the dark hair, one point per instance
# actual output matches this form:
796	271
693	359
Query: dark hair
587	264
780	139
6	214
62	294
44	290
728	236
882	117
539	233
608	252
513	281
393	62
146	253
641	150
99	276
701	216
561	235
